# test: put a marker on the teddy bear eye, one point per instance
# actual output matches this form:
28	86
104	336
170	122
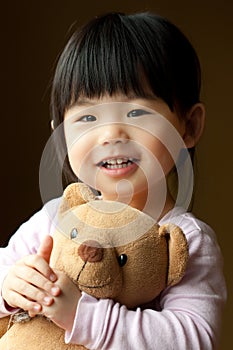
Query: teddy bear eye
122	259
73	233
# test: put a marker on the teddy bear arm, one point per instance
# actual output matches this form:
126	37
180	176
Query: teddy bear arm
37	334
4	322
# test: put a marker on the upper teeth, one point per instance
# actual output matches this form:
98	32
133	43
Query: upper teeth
115	161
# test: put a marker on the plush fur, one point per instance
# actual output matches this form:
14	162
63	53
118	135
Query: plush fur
110	250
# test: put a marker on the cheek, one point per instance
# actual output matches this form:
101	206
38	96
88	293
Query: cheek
164	157
159	155
79	154
75	154
163	141
78	145
81	161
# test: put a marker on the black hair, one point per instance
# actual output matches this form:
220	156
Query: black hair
116	53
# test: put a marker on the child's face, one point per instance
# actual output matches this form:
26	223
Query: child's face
123	147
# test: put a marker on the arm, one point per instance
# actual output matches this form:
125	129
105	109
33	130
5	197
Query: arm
190	316
25	242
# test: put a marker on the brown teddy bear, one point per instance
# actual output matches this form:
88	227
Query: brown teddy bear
110	250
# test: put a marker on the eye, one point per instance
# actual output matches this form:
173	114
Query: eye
87	118
137	113
73	233
122	259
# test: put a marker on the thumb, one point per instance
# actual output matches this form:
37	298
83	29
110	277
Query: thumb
45	248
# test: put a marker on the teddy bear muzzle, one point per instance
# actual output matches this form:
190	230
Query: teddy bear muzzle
101	273
91	251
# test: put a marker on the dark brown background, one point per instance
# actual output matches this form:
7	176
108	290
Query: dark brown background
32	35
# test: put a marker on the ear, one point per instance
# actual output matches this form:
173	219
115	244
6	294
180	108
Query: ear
76	194
52	124
177	251
195	121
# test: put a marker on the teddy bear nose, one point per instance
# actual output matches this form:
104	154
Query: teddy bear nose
91	251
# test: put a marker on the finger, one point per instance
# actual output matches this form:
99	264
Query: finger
32	293
38	263
28	279
33	313
19	301
45	248
45	251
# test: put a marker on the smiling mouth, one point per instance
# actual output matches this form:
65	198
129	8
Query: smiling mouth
117	163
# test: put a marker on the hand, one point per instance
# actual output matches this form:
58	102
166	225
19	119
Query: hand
62	311
29	283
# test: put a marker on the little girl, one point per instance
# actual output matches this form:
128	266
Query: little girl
125	101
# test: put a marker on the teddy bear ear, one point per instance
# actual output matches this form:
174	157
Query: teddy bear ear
76	194
177	251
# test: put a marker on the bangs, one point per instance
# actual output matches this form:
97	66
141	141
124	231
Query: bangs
108	56
107	62
141	55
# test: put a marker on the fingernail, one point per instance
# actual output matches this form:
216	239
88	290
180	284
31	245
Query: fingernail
48	300
36	308
53	277
55	290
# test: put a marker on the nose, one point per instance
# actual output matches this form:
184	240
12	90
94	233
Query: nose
113	134
91	251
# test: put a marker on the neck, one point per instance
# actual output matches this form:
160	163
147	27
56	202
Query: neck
154	208
150	206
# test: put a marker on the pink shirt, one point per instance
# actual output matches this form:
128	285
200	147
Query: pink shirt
186	316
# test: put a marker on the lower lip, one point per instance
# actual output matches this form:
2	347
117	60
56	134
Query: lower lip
119	172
